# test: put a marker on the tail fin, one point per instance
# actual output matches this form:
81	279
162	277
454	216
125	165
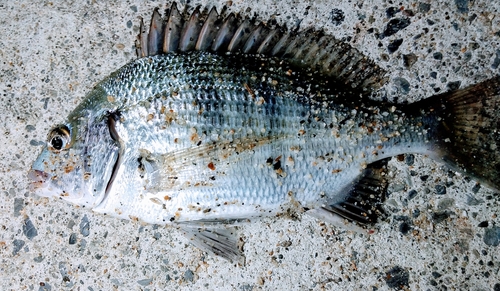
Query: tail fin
468	129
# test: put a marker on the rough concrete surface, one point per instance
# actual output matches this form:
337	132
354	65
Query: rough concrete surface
442	232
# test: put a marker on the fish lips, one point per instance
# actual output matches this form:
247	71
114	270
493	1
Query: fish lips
40	184
38	181
94	184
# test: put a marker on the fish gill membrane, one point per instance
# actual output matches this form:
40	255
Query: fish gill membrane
223	119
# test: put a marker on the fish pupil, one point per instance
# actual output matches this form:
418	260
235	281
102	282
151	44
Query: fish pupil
57	142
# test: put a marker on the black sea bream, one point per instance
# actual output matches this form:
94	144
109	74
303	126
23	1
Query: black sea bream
222	120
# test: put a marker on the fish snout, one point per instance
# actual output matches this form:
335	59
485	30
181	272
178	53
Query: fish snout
38	179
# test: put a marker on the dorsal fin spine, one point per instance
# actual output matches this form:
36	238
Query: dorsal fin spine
265	45
172	30
155	37
223	37
208	31
190	32
240	36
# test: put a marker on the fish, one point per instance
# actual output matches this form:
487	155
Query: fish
223	119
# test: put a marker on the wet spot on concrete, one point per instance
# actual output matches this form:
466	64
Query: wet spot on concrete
473	201
404	228
402	85
476	188
424	7
85	226
440	189
30	128
337	16
63	270
412	194
462	6
29	229
36	143
394	26
394	45
440	216
492	236
72	239
467	56
496	61
246	287
18	206
453	85
409	60
437	56
397	278
189	275
45	287
483	224
39	258
144	282
445	203
391	12
18	245
409	158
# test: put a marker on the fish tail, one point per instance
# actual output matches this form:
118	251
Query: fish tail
465	128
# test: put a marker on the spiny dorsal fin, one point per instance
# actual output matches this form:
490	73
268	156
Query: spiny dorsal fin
207	30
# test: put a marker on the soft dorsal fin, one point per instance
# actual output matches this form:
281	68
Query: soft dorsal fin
363	202
207	30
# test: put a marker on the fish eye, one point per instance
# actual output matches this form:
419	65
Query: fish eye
59	138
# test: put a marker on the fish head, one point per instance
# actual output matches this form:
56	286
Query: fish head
77	161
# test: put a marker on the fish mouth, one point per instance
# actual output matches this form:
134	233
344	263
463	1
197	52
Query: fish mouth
39	179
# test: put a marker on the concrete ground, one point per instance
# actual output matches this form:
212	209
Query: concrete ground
443	230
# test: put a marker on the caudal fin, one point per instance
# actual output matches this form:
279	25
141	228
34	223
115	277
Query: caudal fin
468	129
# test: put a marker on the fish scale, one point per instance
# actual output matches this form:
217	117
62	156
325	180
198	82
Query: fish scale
280	119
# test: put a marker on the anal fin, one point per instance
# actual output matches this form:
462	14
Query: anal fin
363	202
